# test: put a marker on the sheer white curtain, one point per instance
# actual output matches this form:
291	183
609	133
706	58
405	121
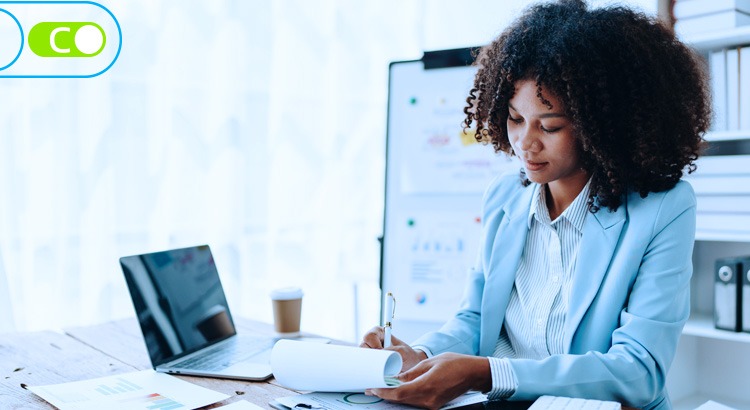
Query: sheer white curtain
257	127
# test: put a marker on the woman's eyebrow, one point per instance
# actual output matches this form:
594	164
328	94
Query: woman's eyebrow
545	115
552	115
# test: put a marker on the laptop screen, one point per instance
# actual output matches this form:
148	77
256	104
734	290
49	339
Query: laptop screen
179	301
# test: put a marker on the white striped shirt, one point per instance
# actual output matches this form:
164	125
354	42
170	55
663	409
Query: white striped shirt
535	316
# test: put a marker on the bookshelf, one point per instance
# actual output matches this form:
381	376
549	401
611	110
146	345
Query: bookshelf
702	325
713	364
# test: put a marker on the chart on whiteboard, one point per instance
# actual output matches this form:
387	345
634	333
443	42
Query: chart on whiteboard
439	248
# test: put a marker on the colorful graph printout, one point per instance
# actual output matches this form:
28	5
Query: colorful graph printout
145	390
121	386
153	401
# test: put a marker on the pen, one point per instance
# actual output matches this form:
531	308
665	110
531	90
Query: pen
390	312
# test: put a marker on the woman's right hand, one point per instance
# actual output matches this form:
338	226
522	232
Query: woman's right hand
373	339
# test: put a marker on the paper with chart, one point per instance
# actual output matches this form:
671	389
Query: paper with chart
147	390
359	401
333	368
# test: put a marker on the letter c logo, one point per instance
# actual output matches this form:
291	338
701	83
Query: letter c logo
67	39
53	43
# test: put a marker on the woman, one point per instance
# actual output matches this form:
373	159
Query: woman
581	288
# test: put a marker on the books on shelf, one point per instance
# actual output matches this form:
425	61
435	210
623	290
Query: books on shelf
722	190
733	89
744	88
700	16
717	62
694	8
730	88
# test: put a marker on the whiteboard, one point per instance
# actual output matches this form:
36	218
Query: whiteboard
435	178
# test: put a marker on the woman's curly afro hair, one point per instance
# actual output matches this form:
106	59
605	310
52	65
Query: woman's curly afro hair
636	96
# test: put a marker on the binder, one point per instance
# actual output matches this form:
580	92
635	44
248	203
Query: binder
745	313
727	294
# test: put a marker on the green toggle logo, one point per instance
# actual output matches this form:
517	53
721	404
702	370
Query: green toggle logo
71	39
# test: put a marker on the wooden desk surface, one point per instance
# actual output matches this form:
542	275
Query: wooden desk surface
41	358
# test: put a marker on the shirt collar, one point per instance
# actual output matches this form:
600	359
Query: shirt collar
575	213
538	206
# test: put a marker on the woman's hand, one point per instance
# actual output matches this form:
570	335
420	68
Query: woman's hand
373	339
438	380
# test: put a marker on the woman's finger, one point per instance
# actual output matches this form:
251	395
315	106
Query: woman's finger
373	339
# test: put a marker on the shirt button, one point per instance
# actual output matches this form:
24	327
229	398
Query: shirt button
539	322
555	278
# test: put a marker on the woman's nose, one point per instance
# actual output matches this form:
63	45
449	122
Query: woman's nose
527	141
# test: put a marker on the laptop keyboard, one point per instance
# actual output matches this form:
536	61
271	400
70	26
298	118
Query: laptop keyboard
567	403
221	357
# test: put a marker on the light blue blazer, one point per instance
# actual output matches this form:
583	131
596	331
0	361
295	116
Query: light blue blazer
629	299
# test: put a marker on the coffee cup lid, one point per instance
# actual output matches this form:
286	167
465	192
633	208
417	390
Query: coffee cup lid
286	293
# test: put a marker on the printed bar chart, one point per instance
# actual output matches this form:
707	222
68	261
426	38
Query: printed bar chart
122	386
153	401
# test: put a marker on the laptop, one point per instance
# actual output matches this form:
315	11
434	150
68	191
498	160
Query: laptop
185	318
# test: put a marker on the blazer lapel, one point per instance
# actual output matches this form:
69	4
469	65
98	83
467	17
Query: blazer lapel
601	232
504	257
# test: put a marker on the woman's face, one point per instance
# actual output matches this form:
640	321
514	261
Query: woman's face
542	137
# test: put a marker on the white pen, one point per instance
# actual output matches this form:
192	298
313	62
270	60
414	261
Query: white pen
390	311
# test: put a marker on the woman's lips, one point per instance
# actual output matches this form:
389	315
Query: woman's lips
535	166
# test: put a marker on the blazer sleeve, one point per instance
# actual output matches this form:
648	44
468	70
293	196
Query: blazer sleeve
634	369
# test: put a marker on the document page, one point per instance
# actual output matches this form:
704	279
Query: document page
146	389
331	368
358	401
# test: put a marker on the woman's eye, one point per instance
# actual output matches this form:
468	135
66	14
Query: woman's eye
550	131
515	120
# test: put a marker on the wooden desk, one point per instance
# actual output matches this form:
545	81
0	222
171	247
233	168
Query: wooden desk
41	358
81	353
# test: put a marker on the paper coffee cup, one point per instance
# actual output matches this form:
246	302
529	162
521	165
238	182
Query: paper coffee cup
287	310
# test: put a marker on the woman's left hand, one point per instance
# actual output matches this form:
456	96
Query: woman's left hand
438	380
